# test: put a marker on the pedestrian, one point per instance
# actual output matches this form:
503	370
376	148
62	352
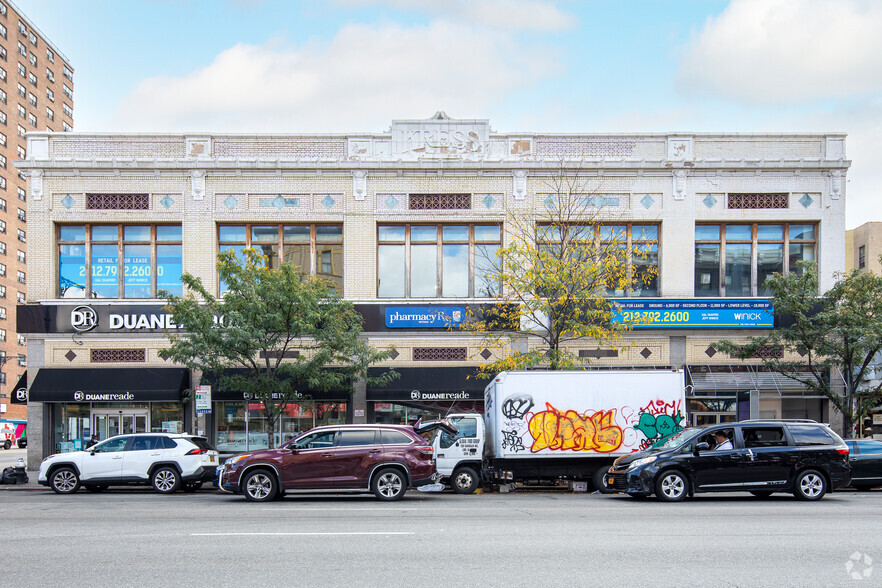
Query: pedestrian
92	441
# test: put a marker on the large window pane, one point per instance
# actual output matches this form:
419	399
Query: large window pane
646	270
707	232
231	234
390	271
455	233
105	233
707	270
391	233
105	271
299	256
486	276
487	232
296	234
738	233
770	260
800	252
166	233
737	269
136	233
169	267
802	232
329	264
329	234
265	234
770	232
72	233
455	264
72	270
136	265
423	271
421	234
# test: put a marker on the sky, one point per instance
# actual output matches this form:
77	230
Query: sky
592	66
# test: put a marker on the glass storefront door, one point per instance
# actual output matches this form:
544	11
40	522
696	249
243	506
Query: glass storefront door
107	423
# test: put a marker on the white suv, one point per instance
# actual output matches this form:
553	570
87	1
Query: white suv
165	461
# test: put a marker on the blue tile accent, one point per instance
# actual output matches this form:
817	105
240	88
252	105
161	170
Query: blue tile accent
167	201
67	202
806	200
550	202
709	201
391	202
231	202
328	202
598	201
647	201
489	201
279	203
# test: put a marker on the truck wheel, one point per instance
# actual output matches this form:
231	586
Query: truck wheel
600	481
389	484
464	480
64	481
671	486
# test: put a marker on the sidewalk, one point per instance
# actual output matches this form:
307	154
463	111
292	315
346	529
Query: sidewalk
31	485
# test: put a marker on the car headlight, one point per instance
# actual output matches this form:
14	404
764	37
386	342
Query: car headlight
232	461
641	462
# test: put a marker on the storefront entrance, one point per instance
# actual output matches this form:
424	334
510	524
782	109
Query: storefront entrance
107	423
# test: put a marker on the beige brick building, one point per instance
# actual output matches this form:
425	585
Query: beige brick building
36	94
396	220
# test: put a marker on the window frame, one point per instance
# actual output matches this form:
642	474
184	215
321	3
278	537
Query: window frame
121	243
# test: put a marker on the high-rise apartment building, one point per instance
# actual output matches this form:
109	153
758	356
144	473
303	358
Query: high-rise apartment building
36	94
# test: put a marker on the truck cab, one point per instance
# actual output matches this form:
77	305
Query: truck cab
458	456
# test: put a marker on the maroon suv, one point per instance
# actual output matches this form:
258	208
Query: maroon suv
383	459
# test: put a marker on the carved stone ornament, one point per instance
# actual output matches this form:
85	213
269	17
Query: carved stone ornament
679	184
37	184
197	184
835	184
519	184
359	184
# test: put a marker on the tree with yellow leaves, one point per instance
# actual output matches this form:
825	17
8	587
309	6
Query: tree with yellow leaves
556	274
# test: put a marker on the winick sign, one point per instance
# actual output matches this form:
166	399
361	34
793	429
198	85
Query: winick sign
701	313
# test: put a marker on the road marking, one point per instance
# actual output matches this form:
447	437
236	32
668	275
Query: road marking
300	534
335	509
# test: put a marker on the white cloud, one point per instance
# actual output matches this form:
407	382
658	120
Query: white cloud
359	81
534	15
775	51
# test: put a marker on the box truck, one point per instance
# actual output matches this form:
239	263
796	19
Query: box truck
544	426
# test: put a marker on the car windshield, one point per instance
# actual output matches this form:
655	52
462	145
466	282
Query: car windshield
675	440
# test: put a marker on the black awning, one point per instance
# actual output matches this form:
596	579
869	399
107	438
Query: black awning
109	385
429	384
19	394
226	395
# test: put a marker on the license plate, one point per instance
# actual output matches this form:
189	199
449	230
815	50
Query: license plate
211	459
610	481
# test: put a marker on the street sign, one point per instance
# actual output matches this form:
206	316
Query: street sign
203	399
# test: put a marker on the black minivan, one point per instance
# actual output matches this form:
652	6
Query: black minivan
758	456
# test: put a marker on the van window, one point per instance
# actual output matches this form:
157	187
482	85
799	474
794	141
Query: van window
811	435
395	438
764	437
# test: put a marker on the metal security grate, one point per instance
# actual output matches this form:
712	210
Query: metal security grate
757	201
118	201
117	355
439	201
439	353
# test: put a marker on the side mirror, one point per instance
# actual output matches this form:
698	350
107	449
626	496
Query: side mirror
701	447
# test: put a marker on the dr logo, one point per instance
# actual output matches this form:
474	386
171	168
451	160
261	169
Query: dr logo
83	318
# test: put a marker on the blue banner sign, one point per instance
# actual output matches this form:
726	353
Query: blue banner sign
409	317
707	313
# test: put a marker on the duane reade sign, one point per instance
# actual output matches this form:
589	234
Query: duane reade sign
106	318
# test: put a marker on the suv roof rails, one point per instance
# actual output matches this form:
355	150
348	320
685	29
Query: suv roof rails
779	421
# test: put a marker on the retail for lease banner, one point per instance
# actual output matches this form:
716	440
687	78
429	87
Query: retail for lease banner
712	313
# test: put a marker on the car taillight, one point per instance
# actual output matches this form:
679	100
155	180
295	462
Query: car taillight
425	449
197	451
842	450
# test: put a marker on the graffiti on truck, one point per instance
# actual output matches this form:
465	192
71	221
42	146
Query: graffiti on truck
517	407
512	440
569	430
657	420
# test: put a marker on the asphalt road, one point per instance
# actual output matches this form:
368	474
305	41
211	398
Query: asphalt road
135	537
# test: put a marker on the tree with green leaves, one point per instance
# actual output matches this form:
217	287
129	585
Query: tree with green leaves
554	277
836	333
265	314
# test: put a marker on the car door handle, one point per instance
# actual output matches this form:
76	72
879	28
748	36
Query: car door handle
327	454
736	456
373	451
117	457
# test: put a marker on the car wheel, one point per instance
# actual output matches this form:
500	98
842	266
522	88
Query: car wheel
192	486
165	480
761	493
671	486
810	485
389	484
600	481
464	480
95	487
259	486
65	481
7	444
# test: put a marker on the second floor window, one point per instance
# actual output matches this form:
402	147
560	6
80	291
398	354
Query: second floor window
119	261
735	259
316	249
436	261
